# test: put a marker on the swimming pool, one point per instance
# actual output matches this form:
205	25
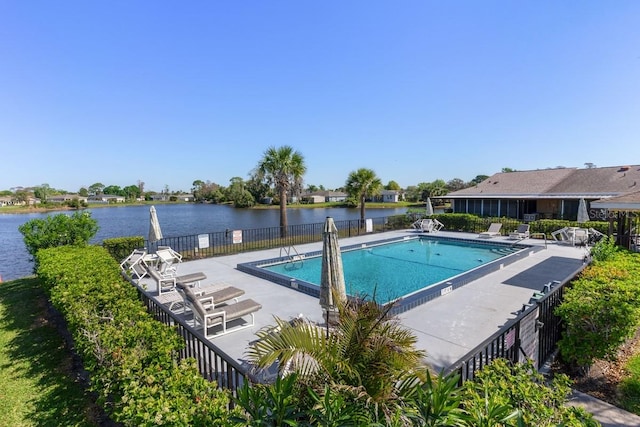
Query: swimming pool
408	270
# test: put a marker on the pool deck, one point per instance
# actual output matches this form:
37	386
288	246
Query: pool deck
447	327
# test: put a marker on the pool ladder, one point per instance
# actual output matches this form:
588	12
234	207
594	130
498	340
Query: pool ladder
294	259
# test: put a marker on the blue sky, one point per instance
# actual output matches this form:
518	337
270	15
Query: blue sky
170	92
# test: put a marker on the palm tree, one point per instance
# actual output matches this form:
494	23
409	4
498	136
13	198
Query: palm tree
283	168
363	183
368	354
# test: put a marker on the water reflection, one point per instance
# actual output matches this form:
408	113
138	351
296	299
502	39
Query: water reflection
175	220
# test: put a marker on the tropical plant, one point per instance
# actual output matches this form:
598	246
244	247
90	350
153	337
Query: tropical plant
283	168
436	400
270	405
361	184
368	354
515	394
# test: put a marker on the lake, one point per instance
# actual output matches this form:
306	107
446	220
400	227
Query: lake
175	220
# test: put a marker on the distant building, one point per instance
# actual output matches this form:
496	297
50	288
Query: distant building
105	198
66	198
324	197
544	194
389	196
12	201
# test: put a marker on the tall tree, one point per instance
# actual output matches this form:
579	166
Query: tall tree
393	185
42	192
455	184
113	190
435	188
196	189
131	192
95	189
283	168
361	184
478	179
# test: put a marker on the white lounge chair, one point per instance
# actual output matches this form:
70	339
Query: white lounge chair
208	297
168	284
428	225
522	232
210	315
135	265
168	261
437	226
494	230
571	236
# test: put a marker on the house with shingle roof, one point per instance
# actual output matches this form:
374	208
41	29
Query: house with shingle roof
61	198
324	196
546	193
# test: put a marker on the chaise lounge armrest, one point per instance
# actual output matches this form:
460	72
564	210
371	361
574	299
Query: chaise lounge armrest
167	284
223	315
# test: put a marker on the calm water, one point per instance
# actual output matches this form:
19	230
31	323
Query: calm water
175	220
399	268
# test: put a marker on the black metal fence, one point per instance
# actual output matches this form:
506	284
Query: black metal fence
506	343
216	365
213	363
230	242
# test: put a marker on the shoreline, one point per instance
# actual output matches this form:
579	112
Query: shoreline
32	209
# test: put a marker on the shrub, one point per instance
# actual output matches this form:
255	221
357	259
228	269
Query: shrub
501	390
58	230
131	358
604	249
600	310
121	247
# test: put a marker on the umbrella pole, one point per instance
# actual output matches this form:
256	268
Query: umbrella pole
327	323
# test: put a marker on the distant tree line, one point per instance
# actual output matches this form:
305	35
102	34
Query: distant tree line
278	177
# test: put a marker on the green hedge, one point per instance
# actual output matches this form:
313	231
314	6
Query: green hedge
470	223
131	358
121	247
601	309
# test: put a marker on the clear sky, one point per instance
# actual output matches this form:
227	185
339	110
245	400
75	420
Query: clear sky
171	92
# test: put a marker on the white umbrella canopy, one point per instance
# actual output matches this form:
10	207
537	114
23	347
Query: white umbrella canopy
583	214
155	233
429	207
332	286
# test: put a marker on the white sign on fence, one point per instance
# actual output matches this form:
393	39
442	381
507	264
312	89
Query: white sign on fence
203	241
237	236
368	224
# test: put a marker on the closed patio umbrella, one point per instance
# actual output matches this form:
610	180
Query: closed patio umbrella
429	207
155	233
332	286
583	214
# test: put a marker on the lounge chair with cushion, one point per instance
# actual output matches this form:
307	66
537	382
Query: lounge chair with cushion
168	284
494	230
208	297
210	315
522	232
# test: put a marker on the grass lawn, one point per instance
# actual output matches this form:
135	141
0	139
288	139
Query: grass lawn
36	380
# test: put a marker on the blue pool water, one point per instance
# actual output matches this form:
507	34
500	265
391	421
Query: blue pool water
393	270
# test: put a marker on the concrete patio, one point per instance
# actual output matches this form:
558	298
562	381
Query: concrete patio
447	327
